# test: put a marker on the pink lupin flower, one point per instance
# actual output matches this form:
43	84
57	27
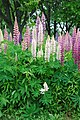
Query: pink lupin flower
76	52
5	34
43	22
37	25
27	37
24	45
40	34
67	42
16	32
73	40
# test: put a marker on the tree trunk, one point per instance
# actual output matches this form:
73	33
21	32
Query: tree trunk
55	25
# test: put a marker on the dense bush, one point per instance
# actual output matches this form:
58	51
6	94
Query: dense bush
22	77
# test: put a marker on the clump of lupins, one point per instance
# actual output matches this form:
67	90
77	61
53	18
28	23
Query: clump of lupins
16	32
63	42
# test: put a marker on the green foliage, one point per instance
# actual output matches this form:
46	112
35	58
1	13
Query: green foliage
22	77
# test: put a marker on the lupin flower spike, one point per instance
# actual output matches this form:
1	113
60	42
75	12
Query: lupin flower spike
43	19
16	32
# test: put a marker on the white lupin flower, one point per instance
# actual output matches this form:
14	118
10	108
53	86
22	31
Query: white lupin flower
43	90
58	52
47	49
1	36
34	35
53	45
33	48
40	52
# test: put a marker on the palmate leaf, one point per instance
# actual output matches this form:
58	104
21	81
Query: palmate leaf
76	100
3	100
30	111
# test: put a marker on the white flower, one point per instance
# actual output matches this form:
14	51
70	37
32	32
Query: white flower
45	86
43	90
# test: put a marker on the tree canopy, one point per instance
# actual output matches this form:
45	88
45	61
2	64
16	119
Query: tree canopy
58	13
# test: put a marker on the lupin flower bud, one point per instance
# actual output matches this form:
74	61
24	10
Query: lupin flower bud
40	34
33	48
43	19
47	49
5	34
16	33
10	37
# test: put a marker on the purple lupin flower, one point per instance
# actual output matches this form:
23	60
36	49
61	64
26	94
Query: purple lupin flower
56	38
37	25
16	32
5	34
73	40
43	19
20	38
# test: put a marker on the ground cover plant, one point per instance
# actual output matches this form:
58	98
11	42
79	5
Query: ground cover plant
39	77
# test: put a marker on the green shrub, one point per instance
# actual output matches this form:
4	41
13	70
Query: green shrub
22	77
